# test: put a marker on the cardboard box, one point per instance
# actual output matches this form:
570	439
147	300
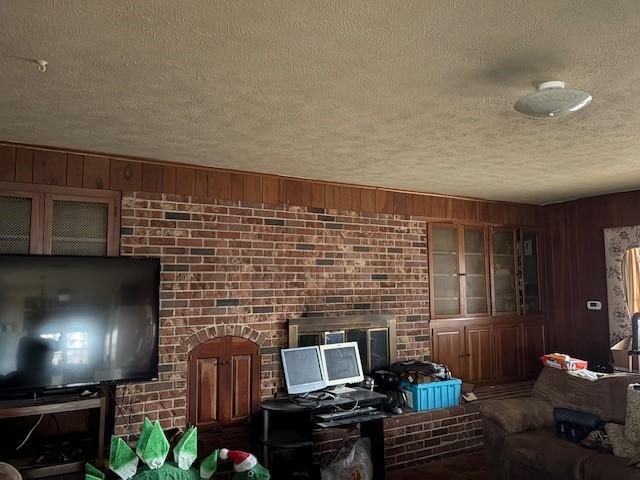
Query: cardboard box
620	354
563	362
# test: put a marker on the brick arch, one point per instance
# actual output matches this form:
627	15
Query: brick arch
212	332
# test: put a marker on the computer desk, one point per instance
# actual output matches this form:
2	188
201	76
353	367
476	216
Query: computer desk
301	435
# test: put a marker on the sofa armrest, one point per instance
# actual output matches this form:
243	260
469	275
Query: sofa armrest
516	415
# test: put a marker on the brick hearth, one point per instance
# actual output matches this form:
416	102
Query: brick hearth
414	438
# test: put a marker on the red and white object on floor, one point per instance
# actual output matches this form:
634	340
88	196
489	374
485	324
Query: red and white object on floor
242	461
563	362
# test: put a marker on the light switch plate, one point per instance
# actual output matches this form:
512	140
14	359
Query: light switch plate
594	305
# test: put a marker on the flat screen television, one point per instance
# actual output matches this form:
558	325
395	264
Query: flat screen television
76	321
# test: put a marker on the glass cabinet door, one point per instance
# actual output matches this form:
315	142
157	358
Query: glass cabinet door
446	279
461	284
79	228
504	270
76	224
530	274
21	221
15	224
475	273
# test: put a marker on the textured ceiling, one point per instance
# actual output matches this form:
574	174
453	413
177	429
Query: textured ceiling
413	95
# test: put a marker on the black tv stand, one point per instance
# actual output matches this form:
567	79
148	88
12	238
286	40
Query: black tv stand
51	404
52	395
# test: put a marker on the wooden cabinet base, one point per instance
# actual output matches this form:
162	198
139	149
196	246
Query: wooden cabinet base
490	350
52	470
10	409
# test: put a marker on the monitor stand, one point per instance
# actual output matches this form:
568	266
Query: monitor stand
340	390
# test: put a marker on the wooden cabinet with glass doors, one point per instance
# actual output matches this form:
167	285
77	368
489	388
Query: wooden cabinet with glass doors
515	271
41	219
486	304
459	276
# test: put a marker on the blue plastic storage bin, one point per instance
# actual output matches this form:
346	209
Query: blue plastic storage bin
434	395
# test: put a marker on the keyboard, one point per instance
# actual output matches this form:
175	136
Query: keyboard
367	417
347	413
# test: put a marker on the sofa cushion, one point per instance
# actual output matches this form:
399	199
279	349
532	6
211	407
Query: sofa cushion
604	466
541	449
7	472
517	415
606	397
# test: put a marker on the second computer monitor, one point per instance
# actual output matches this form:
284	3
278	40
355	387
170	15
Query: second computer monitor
342	363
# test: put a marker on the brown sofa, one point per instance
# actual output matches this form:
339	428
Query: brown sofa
519	433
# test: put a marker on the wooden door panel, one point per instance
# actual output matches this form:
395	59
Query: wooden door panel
241	378
479	354
533	348
224	382
244	365
207	391
508	344
206	377
448	348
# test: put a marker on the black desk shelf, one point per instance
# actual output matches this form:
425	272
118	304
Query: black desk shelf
290	425
287	439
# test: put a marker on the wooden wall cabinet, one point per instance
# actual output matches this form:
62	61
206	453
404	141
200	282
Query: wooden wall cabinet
485	351
41	219
45	219
466	350
224	382
486	304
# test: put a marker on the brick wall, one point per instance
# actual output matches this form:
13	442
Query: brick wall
250	267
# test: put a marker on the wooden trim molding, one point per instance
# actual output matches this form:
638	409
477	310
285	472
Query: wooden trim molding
45	165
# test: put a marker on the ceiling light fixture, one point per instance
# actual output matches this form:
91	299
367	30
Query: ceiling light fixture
553	100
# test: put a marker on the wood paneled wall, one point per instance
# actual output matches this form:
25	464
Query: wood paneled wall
573	231
51	166
576	269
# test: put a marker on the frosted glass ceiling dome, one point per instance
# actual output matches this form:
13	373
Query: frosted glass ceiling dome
553	99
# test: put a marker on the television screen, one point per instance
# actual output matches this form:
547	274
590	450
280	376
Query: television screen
68	321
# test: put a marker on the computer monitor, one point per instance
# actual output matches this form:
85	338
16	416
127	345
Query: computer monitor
341	362
303	369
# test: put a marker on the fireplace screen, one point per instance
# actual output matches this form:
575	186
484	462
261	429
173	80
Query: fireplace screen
375	335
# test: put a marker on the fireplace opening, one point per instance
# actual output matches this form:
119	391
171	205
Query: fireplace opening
375	335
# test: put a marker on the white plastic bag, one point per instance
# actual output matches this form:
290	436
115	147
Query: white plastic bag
351	462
